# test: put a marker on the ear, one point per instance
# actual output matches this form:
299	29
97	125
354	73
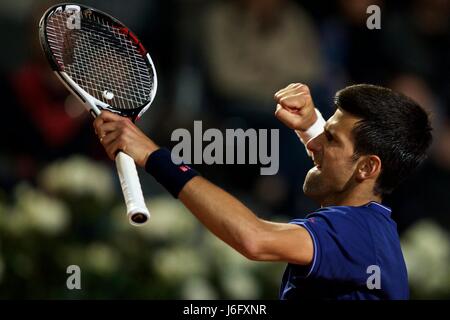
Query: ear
369	167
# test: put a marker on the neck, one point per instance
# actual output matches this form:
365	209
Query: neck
354	198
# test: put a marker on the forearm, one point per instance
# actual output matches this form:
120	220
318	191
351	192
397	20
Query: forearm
224	215
239	227
227	217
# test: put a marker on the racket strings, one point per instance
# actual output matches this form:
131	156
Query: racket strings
100	58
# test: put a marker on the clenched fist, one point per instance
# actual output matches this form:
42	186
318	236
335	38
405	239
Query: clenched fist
295	107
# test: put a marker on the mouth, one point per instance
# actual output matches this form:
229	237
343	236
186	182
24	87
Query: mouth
316	162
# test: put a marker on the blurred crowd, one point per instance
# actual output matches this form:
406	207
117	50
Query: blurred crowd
221	62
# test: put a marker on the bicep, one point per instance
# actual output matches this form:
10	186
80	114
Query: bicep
285	242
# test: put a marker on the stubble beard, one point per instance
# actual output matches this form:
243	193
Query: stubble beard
314	186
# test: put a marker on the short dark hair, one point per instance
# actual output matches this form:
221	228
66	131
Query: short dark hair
392	126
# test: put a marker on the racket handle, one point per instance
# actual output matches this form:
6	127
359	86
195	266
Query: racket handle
137	211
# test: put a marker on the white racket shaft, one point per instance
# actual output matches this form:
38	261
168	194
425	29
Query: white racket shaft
137	211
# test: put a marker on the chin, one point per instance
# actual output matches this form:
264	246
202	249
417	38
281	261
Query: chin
314	187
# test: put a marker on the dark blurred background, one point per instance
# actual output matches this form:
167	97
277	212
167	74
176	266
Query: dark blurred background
219	62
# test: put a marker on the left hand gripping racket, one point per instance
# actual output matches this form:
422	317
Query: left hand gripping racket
104	64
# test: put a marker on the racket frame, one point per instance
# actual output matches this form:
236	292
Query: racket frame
137	211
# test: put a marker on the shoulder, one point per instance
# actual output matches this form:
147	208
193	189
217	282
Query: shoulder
358	216
345	227
338	217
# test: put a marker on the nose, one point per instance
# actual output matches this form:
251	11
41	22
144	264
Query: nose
314	144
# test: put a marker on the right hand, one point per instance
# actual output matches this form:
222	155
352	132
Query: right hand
118	133
295	107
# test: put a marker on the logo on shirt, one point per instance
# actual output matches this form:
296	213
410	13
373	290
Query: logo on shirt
184	168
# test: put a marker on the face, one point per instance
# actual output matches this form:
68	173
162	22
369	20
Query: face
332	151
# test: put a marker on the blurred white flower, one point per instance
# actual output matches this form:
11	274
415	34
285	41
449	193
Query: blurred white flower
224	256
426	248
196	288
119	219
179	263
97	257
36	210
78	176
170	220
16	222
101	258
240	284
237	273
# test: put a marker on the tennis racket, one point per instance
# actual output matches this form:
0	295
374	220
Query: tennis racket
105	65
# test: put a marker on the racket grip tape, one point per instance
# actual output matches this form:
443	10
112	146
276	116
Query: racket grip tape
137	211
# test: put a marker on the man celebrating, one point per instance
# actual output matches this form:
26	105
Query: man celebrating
374	140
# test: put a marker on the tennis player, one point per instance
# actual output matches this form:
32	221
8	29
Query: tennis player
347	249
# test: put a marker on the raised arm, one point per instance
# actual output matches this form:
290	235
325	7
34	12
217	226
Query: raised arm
224	215
238	226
